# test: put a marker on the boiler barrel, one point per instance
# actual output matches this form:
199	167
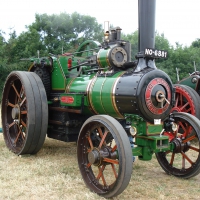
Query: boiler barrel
146	93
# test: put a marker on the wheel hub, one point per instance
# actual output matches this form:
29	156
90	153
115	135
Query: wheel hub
96	156
179	146
160	96
15	112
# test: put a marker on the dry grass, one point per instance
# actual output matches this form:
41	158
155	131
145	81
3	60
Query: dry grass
53	174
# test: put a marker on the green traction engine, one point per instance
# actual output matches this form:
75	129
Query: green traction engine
115	108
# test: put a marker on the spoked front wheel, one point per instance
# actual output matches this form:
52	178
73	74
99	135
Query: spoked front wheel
184	160
104	155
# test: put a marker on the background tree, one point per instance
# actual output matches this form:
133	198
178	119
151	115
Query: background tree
64	33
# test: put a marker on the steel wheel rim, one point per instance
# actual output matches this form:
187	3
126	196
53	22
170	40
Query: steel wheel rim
15	118
184	160
108	171
102	164
183	101
24	112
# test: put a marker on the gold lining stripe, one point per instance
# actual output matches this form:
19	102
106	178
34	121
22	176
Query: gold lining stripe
89	92
98	58
107	58
113	95
68	85
62	72
101	95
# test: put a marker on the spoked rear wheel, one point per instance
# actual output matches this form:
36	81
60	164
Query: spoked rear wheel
104	155
184	160
186	100
24	112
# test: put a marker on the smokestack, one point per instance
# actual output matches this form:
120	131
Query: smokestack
146	37
146	17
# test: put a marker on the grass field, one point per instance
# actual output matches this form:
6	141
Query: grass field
53	174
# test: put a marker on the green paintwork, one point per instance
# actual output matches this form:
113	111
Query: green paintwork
102	58
79	85
151	144
87	45
188	81
60	75
100	95
77	99
93	94
142	127
58	78
153	129
149	139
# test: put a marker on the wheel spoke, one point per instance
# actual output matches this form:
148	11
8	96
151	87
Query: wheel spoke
89	140
16	91
101	134
183	162
184	106
12	124
182	126
103	139
19	133
22	101
177	98
100	131
172	159
108	160
24	112
11	105
23	123
195	149
100	175
187	131
114	170
89	165
189	138
181	99
22	91
188	110
187	158
114	148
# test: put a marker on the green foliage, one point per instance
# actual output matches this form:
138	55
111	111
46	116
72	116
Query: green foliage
196	43
62	33
48	34
180	57
133	39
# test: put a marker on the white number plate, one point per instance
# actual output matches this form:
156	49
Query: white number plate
154	53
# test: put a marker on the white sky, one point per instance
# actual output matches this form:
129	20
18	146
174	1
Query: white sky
179	20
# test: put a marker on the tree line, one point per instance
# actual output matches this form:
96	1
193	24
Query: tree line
64	33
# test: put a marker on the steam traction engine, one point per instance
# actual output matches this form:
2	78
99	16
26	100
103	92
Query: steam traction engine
98	97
